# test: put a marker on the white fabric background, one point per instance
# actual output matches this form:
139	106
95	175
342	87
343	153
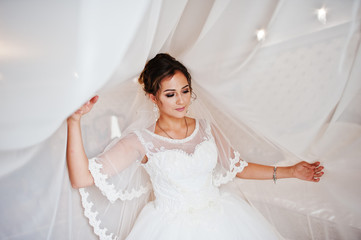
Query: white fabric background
300	88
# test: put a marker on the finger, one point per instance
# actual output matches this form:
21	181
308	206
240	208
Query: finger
316	180
319	169
316	163
94	99
318	174
308	165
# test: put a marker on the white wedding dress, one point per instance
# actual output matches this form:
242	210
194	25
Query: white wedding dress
188	202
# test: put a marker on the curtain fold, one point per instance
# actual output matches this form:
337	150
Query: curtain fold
298	89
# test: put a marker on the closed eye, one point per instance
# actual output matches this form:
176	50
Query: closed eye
169	95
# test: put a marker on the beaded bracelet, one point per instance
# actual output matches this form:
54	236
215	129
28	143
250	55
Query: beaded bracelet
274	174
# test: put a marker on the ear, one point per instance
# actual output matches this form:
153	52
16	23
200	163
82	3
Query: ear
152	98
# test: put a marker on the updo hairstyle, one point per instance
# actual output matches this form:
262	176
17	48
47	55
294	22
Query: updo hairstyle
161	66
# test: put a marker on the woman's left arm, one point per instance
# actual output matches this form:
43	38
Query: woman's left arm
302	170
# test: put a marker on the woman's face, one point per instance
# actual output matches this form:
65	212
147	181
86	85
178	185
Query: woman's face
174	96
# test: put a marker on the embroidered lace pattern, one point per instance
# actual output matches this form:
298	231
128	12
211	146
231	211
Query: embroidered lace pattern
92	216
108	190
234	169
181	172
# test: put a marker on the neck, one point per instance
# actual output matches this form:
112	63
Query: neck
170	122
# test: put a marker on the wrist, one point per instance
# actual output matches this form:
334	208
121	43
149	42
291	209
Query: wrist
291	171
73	120
285	172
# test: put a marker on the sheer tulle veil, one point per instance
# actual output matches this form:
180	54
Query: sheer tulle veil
294	94
113	205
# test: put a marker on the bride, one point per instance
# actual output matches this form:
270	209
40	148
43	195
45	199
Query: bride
165	178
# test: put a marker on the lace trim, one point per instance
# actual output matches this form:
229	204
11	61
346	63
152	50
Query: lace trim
190	137
92	216
222	179
180	151
108	190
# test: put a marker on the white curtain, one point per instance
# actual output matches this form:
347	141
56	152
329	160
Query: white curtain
299	86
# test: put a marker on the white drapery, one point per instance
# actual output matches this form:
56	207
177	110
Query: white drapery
300	87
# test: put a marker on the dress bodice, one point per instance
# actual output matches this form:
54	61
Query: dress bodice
186	173
181	171
183	181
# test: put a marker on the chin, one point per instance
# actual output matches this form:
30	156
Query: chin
174	113
177	114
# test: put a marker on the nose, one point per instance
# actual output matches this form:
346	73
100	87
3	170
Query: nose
180	100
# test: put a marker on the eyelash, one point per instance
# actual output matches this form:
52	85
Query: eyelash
172	95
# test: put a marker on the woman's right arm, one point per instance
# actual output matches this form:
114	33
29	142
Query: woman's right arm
77	160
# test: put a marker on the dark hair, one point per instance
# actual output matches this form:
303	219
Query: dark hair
161	66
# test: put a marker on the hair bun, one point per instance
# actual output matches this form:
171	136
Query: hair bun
155	70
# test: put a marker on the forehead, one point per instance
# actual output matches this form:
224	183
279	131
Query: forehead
177	81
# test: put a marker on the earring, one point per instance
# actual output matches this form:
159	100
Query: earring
155	111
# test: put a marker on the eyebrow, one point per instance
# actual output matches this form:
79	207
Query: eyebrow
173	90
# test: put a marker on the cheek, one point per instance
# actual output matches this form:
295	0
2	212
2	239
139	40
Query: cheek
188	98
165	102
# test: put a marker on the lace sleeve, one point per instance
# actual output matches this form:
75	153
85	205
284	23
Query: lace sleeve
108	189
235	166
113	169
122	188
229	162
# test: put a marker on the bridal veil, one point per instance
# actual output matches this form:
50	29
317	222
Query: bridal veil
281	80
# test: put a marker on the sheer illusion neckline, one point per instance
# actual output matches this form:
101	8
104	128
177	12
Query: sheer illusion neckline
190	137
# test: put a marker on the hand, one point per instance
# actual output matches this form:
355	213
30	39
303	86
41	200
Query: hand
308	171
83	109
